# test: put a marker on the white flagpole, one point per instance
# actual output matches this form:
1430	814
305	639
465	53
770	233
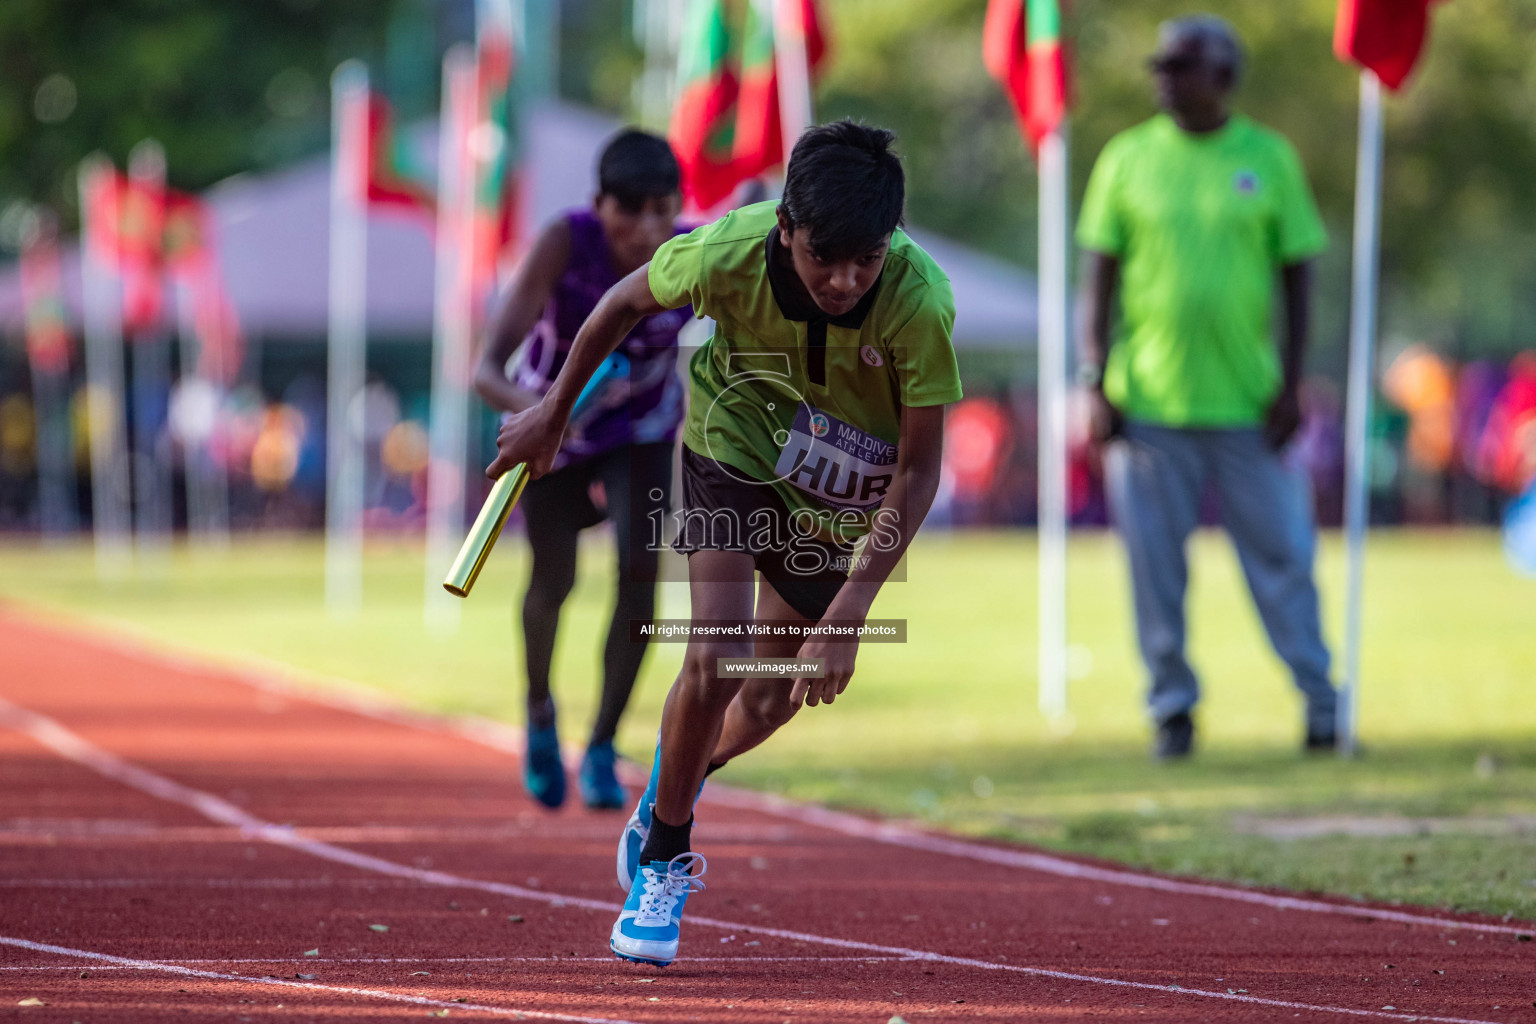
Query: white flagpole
348	327
452	340
1362	345
1054	325
207	480
102	301
188	386
792	63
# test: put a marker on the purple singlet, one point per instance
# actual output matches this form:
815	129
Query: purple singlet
650	407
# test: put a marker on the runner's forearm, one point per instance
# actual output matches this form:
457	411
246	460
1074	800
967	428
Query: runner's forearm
905	508
526	299
900	515
499	393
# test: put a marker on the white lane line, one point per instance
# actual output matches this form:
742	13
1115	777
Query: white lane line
100	833
342	694
311	962
128	963
203	883
70	745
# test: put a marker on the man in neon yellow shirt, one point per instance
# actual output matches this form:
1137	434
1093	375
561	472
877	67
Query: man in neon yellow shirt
1193	215
811	454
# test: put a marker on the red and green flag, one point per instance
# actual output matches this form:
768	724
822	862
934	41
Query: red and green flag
125	220
1385	36
704	120
153	234
392	182
759	139
189	255
726	126
494	145
1023	49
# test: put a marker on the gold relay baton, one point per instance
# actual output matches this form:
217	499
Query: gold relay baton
482	536
509	487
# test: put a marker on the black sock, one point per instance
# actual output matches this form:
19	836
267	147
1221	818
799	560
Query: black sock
666	841
713	768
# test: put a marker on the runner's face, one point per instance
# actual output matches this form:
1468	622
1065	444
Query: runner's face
836	286
635	235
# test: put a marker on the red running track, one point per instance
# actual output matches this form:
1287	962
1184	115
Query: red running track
180	842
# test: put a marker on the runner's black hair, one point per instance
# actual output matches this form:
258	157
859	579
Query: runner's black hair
845	186
636	166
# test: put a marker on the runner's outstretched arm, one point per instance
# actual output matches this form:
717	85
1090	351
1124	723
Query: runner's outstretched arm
525	301
534	436
905	507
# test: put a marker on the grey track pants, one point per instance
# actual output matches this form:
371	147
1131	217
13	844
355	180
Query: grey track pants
1155	479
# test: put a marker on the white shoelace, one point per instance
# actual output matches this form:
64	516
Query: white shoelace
664	888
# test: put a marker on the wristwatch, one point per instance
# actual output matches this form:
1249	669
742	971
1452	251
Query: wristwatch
1090	375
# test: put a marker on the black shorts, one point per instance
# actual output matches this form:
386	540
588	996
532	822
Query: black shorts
637	485
723	511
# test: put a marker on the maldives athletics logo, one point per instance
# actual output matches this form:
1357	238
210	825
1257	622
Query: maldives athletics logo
819	424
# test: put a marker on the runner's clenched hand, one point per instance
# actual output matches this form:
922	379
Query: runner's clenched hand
532	437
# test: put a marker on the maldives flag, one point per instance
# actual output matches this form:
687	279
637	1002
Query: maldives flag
704	121
1385	36
1022	48
759	138
190	256
494	144
388	184
124	223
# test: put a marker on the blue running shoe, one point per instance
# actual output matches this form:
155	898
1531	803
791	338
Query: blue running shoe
600	789
648	926
543	774
638	828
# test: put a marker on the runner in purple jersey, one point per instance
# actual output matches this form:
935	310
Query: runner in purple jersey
647	407
623	443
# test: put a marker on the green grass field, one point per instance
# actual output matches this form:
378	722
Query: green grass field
1441	810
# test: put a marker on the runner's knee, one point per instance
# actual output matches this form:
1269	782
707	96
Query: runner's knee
548	590
700	677
768	705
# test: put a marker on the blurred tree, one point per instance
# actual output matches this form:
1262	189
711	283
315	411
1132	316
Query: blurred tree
225	87
599	58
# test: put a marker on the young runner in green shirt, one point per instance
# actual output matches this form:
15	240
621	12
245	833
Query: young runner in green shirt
811	454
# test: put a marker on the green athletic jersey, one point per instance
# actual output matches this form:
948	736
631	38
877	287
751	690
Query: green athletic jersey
1201	223
807	404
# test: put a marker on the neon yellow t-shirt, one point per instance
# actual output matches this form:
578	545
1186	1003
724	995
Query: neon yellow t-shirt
806	404
1201	224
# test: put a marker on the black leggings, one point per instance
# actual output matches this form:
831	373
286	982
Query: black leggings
637	481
